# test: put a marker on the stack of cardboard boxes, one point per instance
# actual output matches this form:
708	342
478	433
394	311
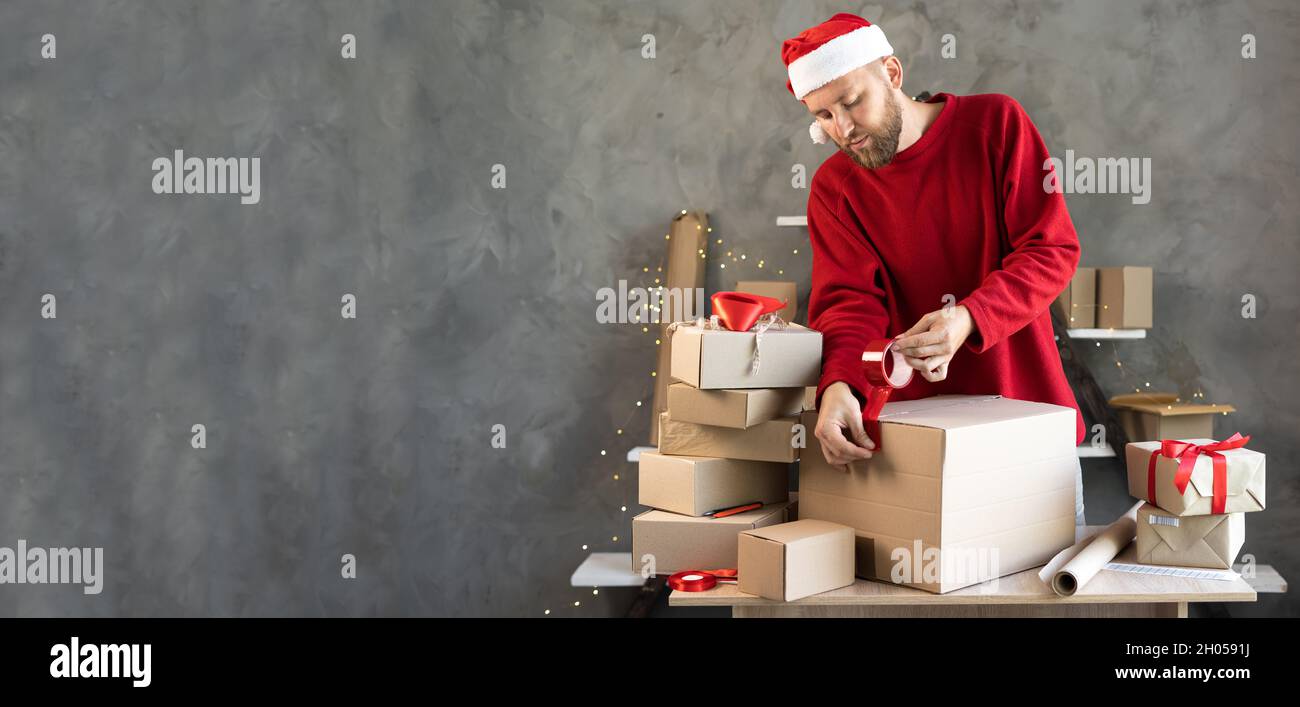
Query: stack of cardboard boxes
727	439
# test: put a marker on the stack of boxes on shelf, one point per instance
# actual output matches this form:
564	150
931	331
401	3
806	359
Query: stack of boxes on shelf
1107	298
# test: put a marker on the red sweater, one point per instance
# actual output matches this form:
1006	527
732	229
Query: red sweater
961	212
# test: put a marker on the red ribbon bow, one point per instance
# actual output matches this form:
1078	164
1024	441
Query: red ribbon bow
739	310
886	370
1186	453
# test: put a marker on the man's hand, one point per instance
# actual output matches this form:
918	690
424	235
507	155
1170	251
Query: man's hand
930	344
839	426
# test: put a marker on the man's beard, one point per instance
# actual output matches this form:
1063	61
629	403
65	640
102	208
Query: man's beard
880	149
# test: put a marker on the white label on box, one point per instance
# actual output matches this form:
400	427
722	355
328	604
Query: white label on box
1163	520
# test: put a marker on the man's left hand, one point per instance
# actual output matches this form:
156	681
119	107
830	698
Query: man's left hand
930	344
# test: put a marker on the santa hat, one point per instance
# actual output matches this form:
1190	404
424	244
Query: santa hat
823	53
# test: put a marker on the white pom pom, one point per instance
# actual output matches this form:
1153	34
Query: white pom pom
819	136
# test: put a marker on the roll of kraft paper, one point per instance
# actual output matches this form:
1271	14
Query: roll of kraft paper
1076	565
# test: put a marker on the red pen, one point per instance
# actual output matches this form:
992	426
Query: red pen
724	512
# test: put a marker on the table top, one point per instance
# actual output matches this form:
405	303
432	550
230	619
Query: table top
1108	587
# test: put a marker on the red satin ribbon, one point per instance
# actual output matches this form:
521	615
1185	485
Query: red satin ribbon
703	579
738	311
1186	453
886	370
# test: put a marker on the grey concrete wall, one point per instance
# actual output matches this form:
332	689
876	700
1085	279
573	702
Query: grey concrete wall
371	436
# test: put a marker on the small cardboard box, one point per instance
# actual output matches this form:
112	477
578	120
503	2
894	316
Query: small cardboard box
732	408
785	291
1124	298
675	543
718	358
1151	416
794	560
694	486
1188	541
965	488
1245	468
810	398
771	441
1077	304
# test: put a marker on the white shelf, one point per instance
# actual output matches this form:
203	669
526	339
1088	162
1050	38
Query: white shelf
1107	333
1089	451
792	220
606	569
634	454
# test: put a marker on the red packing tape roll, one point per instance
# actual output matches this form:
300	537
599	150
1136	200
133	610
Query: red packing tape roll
885	370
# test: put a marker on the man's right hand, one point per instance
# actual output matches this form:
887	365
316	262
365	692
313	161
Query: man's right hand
839	426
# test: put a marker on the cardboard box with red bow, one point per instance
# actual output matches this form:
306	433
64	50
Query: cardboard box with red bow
1197	476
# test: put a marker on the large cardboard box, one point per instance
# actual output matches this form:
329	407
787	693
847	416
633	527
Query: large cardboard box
694	486
810	398
738	408
1151	416
1077	304
719	358
1124	298
787	292
771	441
1245	471
965	489
1189	541
794	560
674	543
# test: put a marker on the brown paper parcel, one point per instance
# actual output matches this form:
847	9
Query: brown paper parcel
674	543
966	488
1245	480
1189	541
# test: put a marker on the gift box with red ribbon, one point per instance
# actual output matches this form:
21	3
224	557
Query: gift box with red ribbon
1197	476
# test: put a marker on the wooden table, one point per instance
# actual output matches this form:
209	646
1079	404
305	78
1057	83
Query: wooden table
1109	594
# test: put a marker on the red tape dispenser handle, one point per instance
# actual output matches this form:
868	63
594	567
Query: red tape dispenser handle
886	370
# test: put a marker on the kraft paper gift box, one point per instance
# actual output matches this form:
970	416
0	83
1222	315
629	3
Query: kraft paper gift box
739	408
675	543
1077	304
1124	298
964	489
771	441
1244	469
694	486
785	291
718	358
1188	541
1150	416
794	560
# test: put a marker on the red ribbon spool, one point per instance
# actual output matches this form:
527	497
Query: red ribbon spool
699	580
738	311
886	371
1186	454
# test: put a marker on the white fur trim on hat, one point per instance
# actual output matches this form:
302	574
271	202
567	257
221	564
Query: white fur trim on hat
819	136
836	58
